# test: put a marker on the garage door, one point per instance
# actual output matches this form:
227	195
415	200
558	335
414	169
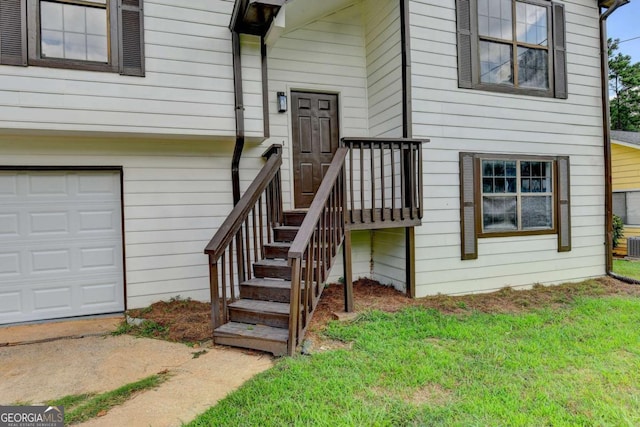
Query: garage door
60	244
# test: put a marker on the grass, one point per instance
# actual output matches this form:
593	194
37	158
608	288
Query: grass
626	268
147	329
82	407
578	365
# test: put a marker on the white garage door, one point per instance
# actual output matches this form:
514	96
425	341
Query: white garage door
60	244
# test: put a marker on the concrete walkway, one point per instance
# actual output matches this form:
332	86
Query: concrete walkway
33	373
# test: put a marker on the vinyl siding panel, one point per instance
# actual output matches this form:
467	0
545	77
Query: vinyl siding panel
478	121
187	90
625	163
388	253
176	193
384	67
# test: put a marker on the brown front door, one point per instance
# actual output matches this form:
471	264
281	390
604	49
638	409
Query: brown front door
316	136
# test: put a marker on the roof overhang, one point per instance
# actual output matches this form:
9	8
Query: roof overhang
607	3
254	16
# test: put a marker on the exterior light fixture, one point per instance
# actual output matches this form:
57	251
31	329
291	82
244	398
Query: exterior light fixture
282	102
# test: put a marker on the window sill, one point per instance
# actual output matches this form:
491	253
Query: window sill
512	90
517	233
73	65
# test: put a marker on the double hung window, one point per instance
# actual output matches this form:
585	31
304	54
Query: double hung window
515	46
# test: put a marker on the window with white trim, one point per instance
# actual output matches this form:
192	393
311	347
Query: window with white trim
626	205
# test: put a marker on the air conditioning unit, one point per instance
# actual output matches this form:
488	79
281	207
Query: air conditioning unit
633	247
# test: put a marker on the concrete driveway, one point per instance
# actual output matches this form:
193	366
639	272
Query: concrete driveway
39	371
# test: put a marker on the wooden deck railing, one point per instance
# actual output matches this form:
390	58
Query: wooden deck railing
241	238
384	182
314	249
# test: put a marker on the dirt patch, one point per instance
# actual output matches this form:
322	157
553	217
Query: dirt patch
432	395
181	320
189	321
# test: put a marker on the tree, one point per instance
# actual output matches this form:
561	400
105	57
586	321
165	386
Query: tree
624	83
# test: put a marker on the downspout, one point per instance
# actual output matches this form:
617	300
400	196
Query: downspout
608	186
239	112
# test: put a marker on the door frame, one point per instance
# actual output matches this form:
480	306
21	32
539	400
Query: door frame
310	89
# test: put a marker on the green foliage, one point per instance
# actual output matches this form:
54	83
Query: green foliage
618	230
626	268
624	83
578	365
82	407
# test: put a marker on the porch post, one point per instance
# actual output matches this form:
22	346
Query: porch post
348	273
410	243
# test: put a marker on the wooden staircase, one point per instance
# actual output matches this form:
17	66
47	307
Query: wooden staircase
259	319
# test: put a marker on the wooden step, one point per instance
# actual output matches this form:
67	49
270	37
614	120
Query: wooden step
266	289
256	337
272	268
294	217
285	233
256	312
277	250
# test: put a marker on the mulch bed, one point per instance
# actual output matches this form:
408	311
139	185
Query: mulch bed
189	321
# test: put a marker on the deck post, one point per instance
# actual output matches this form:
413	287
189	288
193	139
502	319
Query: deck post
410	246
214	289
348	272
294	310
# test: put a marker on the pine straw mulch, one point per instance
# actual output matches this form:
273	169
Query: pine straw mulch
188	321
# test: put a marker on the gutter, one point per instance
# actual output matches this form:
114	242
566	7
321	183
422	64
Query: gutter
239	110
608	186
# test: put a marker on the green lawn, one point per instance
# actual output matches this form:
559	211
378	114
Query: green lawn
627	268
578	365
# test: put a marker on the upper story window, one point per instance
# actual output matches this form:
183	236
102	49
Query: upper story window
513	46
76	30
98	35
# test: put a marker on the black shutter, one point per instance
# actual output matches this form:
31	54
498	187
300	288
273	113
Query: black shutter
131	38
468	236
559	52
564	209
13	32
465	41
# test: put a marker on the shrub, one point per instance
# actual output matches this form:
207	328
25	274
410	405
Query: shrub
618	230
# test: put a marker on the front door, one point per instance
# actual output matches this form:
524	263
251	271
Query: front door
316	136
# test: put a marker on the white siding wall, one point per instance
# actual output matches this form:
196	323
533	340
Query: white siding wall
466	120
389	256
176	195
384	67
187	90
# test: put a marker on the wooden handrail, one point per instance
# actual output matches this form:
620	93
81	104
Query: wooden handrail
316	209
315	246
236	218
388	190
249	226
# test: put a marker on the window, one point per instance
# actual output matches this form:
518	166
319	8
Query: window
99	35
74	30
503	195
514	46
626	204
517	195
